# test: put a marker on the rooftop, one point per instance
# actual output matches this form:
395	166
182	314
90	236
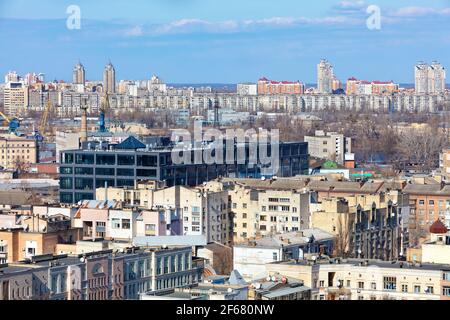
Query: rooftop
292	238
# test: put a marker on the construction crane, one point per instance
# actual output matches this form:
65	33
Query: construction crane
104	107
13	124
44	119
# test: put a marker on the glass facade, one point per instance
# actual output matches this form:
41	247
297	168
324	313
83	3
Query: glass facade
83	171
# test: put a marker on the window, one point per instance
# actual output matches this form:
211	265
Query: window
126	224
285	208
446	276
147	161
360	285
115	223
84	171
446	291
146	172
275	256
285	200
84	159
263	208
321	283
105	171
244	216
244	206
431	202
125	172
295	219
273	199
421	202
416	289
349	283
124	160
373	286
429	290
150	230
390	283
66	183
66	170
106	159
404	288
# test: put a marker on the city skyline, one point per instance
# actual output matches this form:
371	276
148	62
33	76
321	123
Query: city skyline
182	41
100	78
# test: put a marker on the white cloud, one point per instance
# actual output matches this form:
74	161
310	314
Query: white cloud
411	12
134	32
198	25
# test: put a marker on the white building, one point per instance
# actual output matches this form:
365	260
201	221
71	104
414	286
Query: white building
247	89
250	259
325	77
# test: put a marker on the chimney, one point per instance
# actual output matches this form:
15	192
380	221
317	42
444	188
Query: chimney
83	133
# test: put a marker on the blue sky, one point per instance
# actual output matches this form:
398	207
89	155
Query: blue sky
198	41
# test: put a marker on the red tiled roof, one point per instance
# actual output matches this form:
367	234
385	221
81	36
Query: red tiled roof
438	228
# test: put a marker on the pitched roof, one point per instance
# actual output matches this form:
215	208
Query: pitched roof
438	228
131	143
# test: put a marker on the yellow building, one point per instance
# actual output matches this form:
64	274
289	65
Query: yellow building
15	99
261	208
17	152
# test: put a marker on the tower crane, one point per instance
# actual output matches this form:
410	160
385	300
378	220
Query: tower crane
13	124
45	116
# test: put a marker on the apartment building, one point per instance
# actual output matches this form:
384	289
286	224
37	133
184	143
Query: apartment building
444	163
25	236
429	202
269	87
265	207
100	275
329	145
15	98
341	279
188	211
250	258
17	152
362	87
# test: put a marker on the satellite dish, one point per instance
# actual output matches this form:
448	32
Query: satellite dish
230	290
268	278
82	259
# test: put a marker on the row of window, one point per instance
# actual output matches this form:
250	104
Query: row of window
432	202
110	159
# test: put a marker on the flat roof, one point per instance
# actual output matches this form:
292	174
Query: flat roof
285	291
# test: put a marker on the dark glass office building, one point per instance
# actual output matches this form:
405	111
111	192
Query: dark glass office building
97	165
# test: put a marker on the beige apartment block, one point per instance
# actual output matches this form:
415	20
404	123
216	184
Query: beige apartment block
201	210
15	98
17	152
367	279
263	212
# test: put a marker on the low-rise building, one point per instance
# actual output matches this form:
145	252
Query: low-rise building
100	275
249	259
367	279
